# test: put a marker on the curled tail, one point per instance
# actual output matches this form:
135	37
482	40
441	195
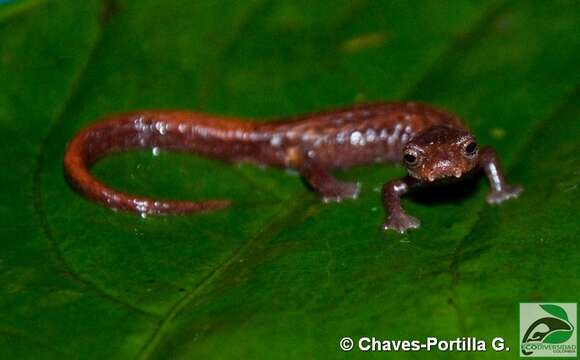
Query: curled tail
171	130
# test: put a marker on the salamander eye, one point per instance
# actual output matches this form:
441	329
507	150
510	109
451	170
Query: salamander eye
410	159
471	149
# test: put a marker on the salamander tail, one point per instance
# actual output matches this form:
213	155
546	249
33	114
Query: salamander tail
82	153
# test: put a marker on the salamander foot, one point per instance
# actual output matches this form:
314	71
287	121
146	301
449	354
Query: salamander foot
341	191
401	223
508	192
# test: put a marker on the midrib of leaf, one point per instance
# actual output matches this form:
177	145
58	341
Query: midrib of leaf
151	344
38	203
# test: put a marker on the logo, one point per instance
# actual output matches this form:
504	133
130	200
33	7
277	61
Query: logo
548	329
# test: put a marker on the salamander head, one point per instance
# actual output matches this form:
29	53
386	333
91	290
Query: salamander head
440	152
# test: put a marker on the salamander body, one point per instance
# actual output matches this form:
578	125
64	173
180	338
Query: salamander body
432	143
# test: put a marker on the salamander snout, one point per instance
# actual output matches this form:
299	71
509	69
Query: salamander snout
443	168
440	152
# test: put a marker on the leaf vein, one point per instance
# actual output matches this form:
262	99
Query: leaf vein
271	229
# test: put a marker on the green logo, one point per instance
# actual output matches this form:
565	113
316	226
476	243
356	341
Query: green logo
548	329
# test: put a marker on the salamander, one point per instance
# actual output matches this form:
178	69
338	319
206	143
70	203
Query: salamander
431	143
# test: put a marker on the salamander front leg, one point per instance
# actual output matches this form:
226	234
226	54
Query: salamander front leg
322	181
500	189
397	218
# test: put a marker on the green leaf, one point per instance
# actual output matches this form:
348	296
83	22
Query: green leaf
280	274
555	310
558	337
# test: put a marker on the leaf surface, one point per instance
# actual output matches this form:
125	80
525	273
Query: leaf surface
280	274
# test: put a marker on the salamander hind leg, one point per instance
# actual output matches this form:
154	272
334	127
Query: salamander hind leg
322	181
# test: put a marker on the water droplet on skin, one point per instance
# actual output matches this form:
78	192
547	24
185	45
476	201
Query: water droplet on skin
140	124
384	134
161	127
356	138
142	206
204	133
276	140
395	135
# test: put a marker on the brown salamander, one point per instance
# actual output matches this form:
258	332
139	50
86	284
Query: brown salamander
433	144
